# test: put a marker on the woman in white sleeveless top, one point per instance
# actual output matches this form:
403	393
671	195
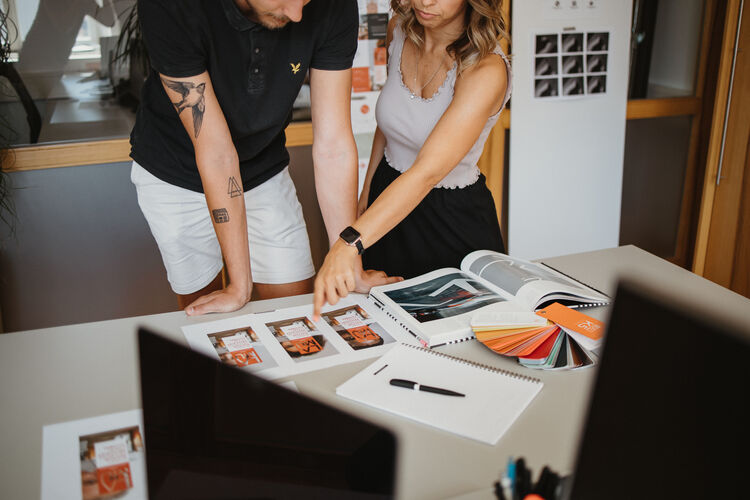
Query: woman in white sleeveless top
425	204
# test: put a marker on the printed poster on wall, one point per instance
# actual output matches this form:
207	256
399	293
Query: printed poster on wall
369	73
570	64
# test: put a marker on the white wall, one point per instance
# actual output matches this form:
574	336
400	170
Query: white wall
566	154
26	11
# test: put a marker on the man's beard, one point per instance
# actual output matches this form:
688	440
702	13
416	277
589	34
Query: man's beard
272	21
266	19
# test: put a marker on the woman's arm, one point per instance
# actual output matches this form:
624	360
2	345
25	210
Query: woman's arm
478	95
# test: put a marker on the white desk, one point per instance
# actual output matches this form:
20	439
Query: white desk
67	373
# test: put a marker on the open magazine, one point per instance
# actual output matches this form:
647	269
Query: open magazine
437	307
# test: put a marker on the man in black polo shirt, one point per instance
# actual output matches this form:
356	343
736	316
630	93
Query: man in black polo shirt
210	131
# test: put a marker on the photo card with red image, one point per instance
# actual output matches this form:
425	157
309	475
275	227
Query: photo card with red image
301	339
106	459
357	327
242	348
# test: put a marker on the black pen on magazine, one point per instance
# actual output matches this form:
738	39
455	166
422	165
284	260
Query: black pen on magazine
516	483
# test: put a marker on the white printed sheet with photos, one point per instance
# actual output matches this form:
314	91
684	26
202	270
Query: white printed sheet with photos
286	341
95	458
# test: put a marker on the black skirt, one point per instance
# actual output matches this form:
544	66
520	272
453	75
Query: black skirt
439	232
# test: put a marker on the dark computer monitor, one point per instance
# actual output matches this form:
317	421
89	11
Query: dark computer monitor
213	431
670	413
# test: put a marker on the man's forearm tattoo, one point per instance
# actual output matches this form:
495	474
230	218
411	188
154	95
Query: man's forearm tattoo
234	189
192	97
220	215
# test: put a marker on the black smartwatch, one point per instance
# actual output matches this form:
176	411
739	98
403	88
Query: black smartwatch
352	238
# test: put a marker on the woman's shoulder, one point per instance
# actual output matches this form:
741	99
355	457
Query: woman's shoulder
492	70
487	81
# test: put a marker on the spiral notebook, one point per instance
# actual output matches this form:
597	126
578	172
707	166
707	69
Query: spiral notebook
493	398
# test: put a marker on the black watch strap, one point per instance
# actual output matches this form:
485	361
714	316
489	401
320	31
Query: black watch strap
360	247
352	238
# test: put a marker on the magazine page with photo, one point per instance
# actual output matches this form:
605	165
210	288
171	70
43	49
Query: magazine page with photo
437	307
532	285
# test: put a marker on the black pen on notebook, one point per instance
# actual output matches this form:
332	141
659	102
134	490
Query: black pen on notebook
408	384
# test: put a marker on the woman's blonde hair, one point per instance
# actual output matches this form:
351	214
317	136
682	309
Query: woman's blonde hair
484	26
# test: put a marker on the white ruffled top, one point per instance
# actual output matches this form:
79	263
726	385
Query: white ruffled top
407	120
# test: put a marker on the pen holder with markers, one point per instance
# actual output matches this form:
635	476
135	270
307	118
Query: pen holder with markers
516	483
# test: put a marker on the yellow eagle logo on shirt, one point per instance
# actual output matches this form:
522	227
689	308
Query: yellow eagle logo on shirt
295	67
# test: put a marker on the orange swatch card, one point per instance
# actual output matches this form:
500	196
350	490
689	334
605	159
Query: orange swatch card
512	341
573	320
486	335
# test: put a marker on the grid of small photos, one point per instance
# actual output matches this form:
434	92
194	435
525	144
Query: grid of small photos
570	64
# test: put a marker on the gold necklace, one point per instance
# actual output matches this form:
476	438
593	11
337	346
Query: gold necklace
416	74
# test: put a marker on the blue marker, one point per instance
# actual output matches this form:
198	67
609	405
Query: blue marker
509	479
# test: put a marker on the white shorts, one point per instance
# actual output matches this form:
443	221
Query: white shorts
180	222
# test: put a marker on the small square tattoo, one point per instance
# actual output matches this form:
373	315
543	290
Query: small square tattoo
220	215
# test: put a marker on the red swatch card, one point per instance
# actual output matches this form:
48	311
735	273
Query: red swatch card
544	350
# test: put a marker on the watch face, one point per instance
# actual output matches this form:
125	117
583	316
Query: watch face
349	235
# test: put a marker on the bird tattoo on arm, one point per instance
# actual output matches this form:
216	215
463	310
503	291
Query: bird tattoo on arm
192	97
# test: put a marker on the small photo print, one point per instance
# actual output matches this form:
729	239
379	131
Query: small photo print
572	42
596	84
572	86
363	32
301	340
241	348
545	66
597	42
572	65
357	328
546	44
442	297
106	460
596	63
377	26
546	87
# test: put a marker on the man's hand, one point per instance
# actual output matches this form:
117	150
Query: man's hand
342	273
370	278
226	300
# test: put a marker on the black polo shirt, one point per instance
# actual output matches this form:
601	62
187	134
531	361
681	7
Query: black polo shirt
256	74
